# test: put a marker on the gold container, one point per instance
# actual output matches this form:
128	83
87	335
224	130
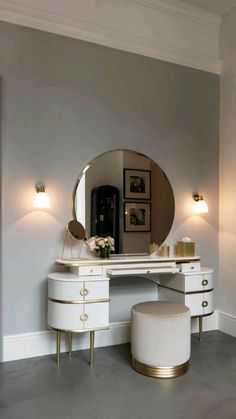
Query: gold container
165	250
153	247
185	249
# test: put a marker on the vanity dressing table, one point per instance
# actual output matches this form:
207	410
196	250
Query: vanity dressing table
78	300
125	195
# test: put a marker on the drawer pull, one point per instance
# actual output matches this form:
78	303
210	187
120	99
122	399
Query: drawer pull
84	292
84	317
204	282
91	271
148	272
204	304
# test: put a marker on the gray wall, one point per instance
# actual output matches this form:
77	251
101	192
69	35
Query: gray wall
228	170
64	102
1	288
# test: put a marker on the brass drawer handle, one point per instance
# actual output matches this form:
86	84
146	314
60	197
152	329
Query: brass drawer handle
204	282
83	317
204	304
84	292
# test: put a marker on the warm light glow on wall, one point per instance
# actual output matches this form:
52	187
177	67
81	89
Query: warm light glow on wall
41	199
200	206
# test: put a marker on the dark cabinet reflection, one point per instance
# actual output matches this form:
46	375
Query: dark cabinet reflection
105	213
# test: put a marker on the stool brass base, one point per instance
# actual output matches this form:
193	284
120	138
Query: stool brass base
160	372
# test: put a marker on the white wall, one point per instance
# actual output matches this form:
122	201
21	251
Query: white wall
228	175
66	101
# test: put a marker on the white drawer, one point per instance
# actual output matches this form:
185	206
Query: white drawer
198	282
65	290
65	316
86	270
190	266
188	283
96	290
199	304
78	291
78	317
97	315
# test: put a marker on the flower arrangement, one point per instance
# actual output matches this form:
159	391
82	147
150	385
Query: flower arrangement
101	245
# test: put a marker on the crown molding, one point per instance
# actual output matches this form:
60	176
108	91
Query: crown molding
109	36
182	9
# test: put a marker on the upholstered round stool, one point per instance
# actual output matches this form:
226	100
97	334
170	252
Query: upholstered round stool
160	338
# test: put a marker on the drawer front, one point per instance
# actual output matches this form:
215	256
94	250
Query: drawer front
200	304
65	316
96	290
65	291
78	291
187	283
190	266
198	282
78	316
96	315
86	270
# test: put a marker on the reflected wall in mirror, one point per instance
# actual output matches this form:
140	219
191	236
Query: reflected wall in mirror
126	195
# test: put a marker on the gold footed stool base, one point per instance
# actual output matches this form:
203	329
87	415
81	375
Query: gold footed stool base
160	372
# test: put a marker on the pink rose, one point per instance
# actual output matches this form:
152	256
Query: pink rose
110	240
92	244
101	243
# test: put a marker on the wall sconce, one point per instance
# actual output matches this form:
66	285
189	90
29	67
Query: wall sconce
200	204
41	199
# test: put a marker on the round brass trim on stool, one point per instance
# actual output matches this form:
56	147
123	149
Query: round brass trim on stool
160	372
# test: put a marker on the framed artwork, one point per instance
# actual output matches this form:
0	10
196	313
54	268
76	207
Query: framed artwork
137	216
137	184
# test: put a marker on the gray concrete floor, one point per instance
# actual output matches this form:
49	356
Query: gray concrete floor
37	389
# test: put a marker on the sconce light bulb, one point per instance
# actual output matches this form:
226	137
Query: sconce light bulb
200	204
41	199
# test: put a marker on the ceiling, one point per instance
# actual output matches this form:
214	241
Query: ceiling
217	6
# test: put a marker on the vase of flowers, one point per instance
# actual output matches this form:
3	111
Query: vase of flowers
101	245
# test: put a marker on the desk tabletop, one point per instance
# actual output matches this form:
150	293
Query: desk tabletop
121	259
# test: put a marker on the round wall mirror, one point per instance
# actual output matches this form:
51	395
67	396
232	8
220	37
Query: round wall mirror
125	195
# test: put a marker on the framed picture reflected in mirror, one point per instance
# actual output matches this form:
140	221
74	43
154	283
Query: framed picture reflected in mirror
137	184
137	216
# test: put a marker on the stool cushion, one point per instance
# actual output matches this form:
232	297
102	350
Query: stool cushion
160	333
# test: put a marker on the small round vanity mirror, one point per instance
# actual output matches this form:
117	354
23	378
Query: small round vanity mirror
125	195
76	230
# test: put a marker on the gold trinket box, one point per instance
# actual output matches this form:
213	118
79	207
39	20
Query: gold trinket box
185	248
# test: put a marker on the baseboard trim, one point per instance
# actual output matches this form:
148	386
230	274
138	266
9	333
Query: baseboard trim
227	323
209	323
29	345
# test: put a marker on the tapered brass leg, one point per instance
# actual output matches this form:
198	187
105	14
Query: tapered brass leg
58	346
91	348
200	329
70	343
